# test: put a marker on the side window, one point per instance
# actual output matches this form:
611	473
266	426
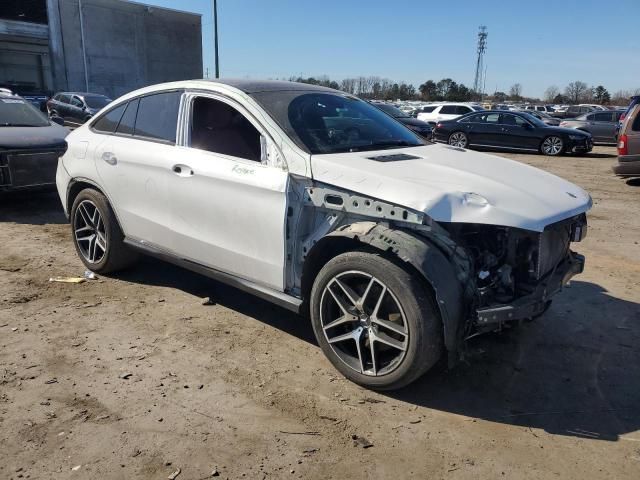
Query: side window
461	110
427	109
520	121
64	98
448	110
636	122
76	102
617	116
219	128
158	116
128	121
601	117
508	119
108	122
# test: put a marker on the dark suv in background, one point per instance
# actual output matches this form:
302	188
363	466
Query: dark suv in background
75	108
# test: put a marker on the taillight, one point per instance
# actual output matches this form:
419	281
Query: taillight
622	145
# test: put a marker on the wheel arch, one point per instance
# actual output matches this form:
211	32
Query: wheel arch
80	183
76	186
423	256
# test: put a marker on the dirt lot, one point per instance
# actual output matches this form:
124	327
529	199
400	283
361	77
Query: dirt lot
241	387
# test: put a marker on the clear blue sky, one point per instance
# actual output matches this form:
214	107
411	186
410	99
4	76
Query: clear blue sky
536	43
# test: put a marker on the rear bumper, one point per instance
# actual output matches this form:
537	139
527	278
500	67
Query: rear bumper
63	180
627	169
536	302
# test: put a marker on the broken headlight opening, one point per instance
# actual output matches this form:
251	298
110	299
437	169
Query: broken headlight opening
515	271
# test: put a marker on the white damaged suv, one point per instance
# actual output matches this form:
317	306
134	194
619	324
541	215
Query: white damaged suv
397	249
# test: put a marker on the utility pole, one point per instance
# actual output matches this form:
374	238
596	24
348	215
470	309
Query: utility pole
215	35
478	82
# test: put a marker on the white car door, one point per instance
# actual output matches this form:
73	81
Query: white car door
228	202
135	165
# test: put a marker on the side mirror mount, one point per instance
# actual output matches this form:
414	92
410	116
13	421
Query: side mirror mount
58	120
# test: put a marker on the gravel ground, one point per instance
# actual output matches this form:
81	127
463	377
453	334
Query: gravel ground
131	376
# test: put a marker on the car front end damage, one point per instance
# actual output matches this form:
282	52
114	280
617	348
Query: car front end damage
516	272
482	276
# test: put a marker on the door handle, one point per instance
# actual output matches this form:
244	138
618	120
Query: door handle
110	158
182	170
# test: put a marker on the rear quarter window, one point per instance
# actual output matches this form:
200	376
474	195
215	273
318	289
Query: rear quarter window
108	122
157	117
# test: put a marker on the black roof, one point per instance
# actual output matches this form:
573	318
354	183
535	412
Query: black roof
256	86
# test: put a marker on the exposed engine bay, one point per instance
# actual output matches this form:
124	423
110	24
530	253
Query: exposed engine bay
511	265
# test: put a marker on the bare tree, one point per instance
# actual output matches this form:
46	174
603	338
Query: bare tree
551	93
515	92
576	91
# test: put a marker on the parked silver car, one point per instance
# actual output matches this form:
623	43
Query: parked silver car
601	125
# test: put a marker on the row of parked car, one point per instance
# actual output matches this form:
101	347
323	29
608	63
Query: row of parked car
601	124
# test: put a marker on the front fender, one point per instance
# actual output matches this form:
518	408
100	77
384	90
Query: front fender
434	258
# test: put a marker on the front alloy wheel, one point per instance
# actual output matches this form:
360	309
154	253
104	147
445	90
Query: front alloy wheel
458	139
374	320
363	323
552	146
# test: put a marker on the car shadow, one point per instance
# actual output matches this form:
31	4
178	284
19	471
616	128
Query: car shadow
32	207
572	372
633	182
597	155
150	271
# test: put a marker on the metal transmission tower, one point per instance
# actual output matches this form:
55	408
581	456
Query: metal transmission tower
478	82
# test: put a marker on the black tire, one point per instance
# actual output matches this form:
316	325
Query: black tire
424	342
117	255
458	139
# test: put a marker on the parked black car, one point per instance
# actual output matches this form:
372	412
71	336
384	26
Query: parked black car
418	126
30	145
75	108
511	131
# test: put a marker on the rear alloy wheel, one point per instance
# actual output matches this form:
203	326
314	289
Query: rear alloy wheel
458	139
375	321
552	146
97	236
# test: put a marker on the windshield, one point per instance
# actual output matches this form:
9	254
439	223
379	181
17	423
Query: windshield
97	101
391	110
536	121
332	123
17	112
